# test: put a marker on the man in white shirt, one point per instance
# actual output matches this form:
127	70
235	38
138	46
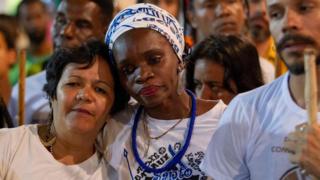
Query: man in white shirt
249	141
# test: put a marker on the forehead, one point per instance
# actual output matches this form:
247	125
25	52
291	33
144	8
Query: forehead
206	68
206	63
31	9
214	1
27	6
79	9
141	38
140	42
98	70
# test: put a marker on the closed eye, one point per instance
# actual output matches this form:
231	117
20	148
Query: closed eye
156	59
73	84
83	24
215	86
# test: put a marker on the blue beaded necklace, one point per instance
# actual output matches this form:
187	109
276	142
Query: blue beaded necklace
178	156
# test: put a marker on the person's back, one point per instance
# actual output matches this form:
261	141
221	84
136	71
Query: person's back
76	22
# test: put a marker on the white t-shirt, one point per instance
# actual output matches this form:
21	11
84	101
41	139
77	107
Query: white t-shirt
119	151
249	141
23	157
37	107
267	69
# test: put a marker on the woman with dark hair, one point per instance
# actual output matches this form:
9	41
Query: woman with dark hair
83	90
224	66
159	137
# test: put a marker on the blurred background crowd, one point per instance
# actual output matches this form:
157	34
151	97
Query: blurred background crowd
212	73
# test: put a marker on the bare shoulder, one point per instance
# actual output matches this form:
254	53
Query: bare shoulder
204	106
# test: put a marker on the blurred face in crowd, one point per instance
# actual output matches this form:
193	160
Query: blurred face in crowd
258	20
147	70
172	6
208	80
35	19
295	25
84	98
77	21
7	56
217	17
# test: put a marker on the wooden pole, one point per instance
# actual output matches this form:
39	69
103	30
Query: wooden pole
22	76
310	87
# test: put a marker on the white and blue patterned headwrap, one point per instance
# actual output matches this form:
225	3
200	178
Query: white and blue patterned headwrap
146	15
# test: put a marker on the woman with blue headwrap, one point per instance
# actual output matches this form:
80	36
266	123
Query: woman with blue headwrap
166	134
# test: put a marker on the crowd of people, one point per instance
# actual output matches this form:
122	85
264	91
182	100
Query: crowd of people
179	89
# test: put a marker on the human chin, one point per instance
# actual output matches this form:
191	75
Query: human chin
295	63
80	124
151	101
296	68
225	31
260	33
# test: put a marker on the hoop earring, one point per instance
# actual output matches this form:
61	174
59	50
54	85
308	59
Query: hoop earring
181	82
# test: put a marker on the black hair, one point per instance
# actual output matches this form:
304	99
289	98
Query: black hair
28	2
107	9
85	54
5	119
9	29
239	58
